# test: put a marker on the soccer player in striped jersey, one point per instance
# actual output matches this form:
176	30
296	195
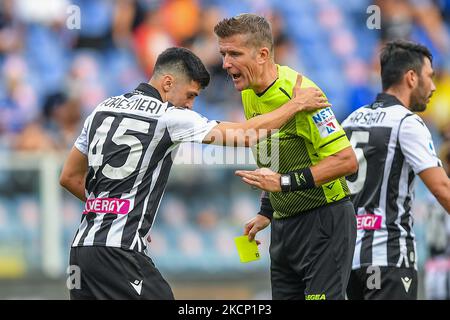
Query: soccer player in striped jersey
393	146
120	164
313	225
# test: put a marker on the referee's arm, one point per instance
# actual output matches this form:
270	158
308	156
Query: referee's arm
340	164
251	131
73	175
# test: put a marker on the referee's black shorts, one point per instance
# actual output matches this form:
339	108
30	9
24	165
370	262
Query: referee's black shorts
311	253
116	274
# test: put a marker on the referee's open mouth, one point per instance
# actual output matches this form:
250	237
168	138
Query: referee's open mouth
235	76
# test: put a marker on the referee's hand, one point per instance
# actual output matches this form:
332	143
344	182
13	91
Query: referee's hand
262	178
308	99
253	226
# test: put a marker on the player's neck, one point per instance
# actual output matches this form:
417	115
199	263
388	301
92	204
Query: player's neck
267	78
402	95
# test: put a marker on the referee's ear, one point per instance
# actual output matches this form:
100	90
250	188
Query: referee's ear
263	55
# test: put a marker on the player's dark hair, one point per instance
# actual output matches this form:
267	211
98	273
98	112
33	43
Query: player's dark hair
257	28
400	56
184	62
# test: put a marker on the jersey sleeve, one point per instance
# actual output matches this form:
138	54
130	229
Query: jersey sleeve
417	145
185	125
323	131
82	141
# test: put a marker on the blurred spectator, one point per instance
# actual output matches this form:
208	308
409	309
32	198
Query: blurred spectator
62	120
445	131
150	39
128	15
34	138
85	82
11	31
46	12
180	18
18	105
285	51
207	219
400	17
438	110
96	24
220	97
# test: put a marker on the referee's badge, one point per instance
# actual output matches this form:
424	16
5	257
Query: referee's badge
325	122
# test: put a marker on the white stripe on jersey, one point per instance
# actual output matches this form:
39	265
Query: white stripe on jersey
159	132
114	237
80	232
152	186
379	249
402	194
89	240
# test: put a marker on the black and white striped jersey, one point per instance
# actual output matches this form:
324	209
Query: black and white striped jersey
130	142
392	145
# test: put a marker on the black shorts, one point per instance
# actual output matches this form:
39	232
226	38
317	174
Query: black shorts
311	254
382	283
115	273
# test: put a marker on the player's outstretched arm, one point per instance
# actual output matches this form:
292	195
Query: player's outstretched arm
438	183
255	129
73	175
340	164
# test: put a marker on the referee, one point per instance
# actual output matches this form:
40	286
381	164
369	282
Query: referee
313	225
120	165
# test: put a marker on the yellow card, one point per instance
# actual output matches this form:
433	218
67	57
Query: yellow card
248	251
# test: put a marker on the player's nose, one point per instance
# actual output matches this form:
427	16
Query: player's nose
189	104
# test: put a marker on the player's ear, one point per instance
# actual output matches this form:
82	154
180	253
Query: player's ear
411	78
167	82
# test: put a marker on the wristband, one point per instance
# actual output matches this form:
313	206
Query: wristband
302	179
266	209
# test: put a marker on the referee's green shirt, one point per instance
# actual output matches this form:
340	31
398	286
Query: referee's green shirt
305	140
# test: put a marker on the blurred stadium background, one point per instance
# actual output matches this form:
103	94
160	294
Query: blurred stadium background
53	76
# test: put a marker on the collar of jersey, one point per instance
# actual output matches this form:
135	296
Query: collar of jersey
267	89
259	95
388	100
148	90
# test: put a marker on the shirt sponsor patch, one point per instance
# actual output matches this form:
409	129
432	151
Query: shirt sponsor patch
107	205
368	222
326	122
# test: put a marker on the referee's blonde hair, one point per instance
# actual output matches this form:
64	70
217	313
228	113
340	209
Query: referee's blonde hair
257	29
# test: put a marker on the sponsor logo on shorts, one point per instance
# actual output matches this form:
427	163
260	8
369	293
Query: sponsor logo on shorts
107	205
406	283
137	285
320	296
368	222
